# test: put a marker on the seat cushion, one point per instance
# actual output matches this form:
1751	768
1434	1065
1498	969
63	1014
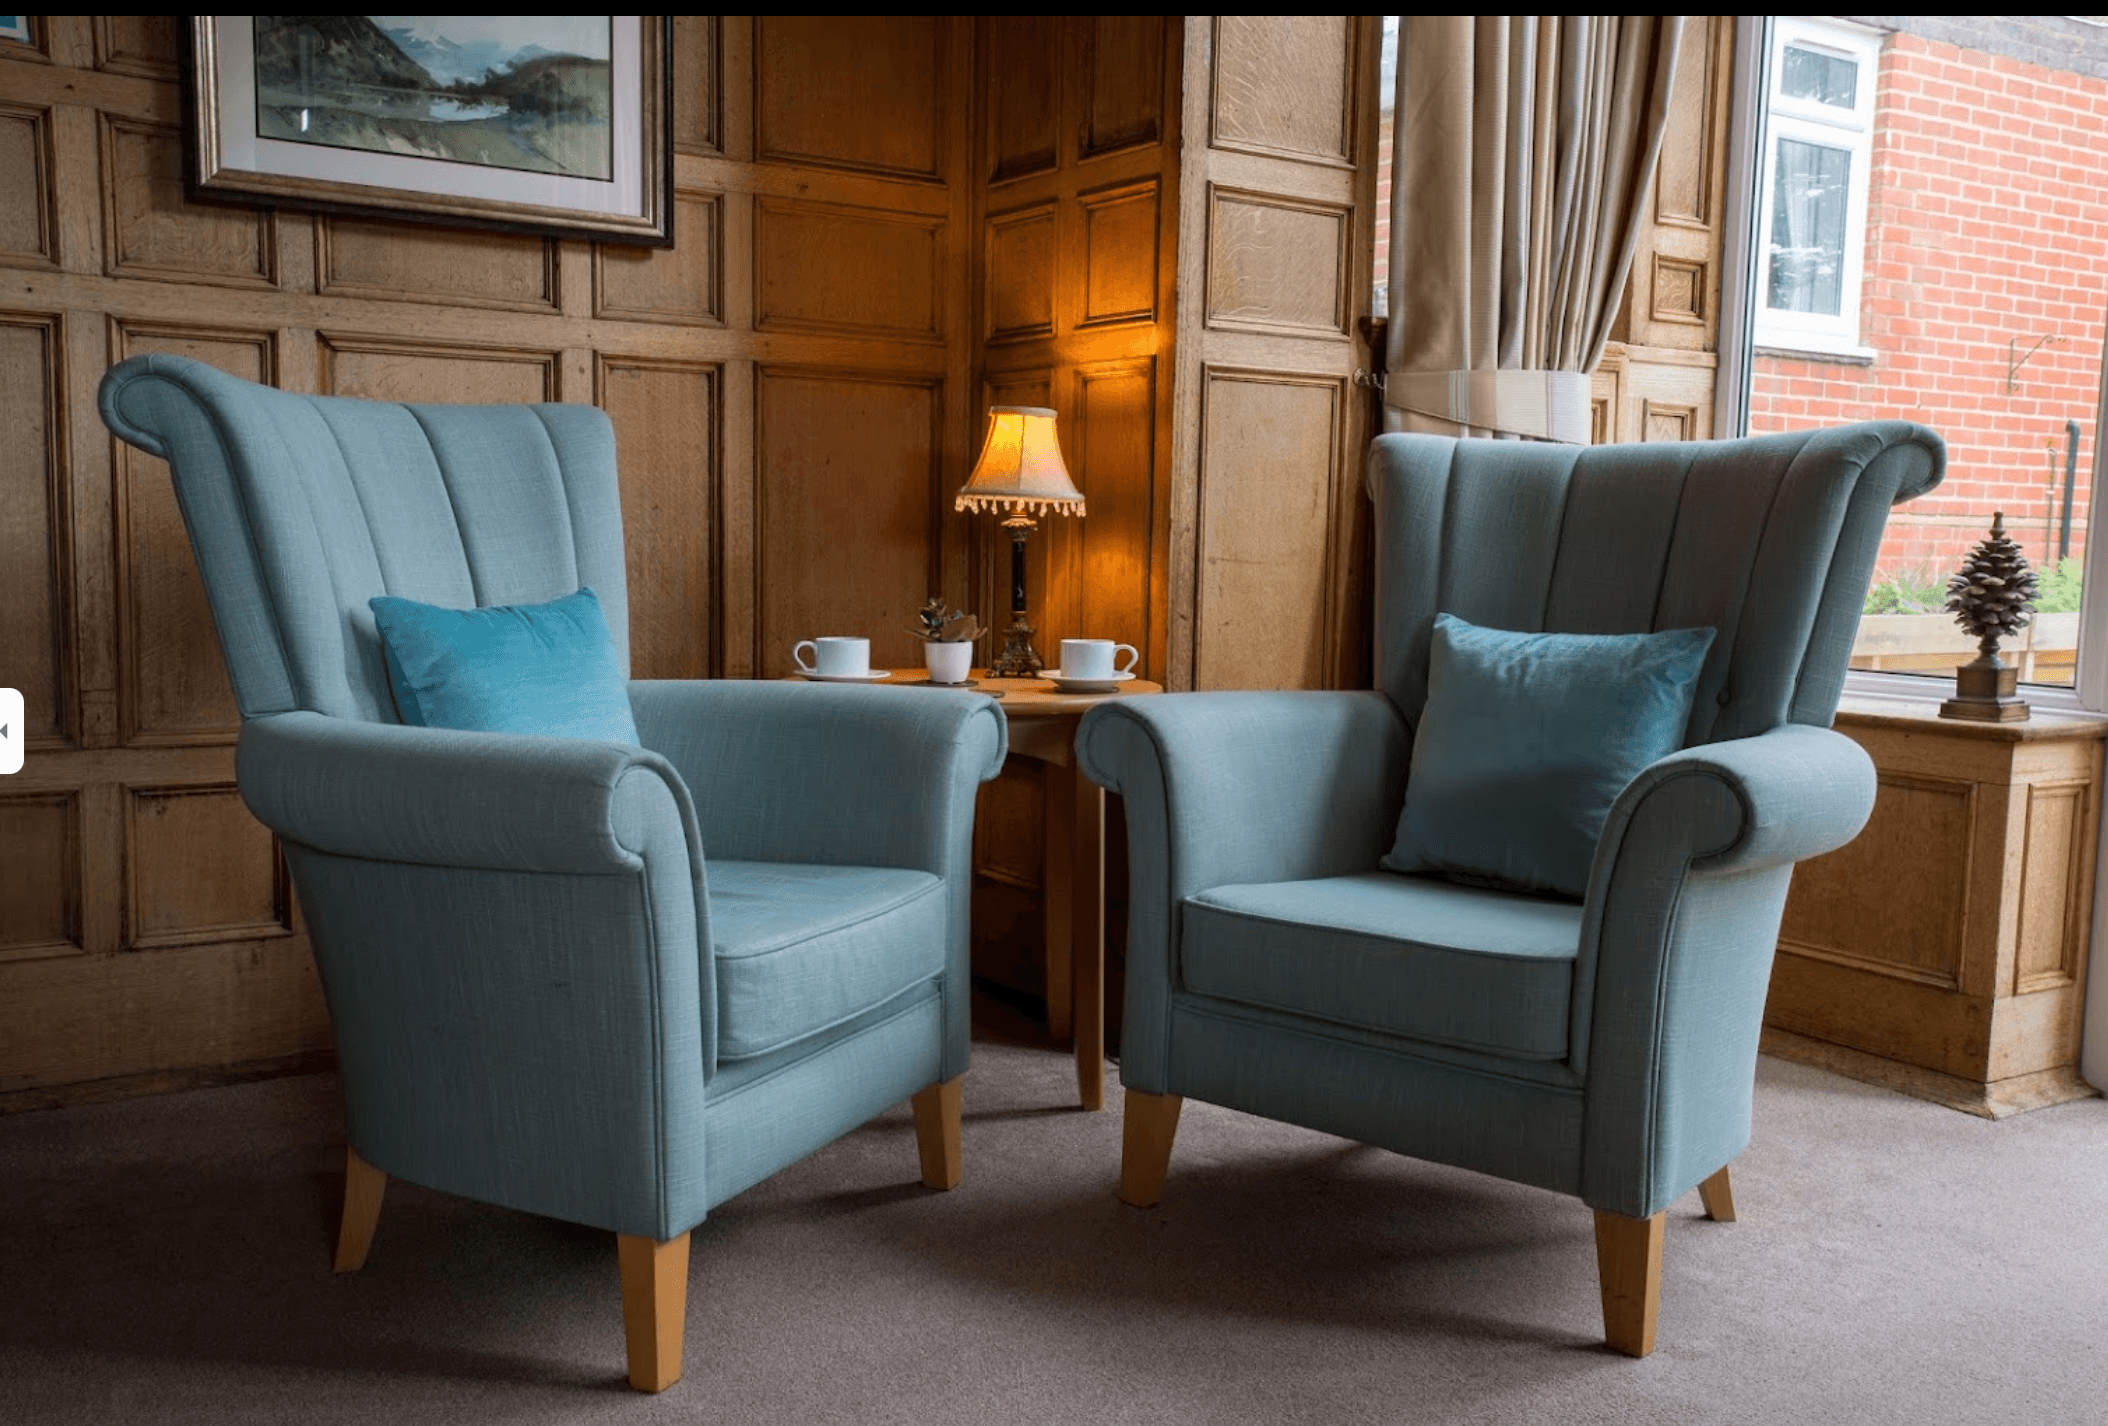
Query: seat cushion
548	669
799	948
1402	955
1525	742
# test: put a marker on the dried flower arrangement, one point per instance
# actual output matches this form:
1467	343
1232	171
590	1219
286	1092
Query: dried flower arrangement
946	626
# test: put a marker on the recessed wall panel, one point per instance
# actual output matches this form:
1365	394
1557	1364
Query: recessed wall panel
1020	274
32	570
150	46
666	440
850	91
846	468
824	267
173	687
1115	441
151	229
1022	82
40	876
698	85
683	283
1276	265
27	229
201	869
1281	85
1268	449
460	267
387	369
1120	254
1127	82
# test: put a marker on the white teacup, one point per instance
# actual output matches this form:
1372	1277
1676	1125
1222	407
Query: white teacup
834	657
1093	658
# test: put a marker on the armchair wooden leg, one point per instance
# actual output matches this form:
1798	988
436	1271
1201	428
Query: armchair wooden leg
937	1133
363	1186
1151	1122
1629	1262
1718	1197
654	1307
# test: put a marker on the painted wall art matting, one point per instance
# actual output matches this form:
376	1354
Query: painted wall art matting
550	123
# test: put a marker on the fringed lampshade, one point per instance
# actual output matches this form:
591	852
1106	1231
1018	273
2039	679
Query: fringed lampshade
1020	471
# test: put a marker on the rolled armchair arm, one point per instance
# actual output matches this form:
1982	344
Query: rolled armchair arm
1681	921
440	797
1225	788
789	771
508	932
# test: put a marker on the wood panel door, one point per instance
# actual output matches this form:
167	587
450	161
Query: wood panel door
1276	192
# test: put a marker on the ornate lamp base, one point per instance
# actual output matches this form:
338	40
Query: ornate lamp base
1984	692
1018	658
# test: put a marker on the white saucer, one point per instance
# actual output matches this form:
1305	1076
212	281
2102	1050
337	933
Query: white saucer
1063	683
872	677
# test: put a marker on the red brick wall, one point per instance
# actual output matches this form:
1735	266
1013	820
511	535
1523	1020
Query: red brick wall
1987	223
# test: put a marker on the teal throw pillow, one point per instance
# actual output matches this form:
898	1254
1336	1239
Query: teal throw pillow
512	668
1525	742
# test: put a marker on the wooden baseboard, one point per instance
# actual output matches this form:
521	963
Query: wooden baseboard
1999	1099
165	1081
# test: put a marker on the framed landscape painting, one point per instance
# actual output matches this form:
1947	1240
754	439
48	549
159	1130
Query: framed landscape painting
555	124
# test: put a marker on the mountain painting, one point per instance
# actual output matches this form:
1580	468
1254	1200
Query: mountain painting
527	92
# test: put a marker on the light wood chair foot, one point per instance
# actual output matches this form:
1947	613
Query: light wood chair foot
1629	1263
654	1307
937	1133
363	1186
1718	1197
1151	1122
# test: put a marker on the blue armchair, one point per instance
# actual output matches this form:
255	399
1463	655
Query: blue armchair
1602	1045
611	984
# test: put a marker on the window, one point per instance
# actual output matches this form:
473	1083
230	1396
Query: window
1933	205
1817	161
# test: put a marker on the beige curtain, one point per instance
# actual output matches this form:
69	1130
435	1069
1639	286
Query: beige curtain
1523	160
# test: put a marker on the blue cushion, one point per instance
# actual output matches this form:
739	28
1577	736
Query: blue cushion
801	948
548	669
1457	965
1526	740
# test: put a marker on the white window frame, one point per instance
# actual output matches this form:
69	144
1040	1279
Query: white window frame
1832	127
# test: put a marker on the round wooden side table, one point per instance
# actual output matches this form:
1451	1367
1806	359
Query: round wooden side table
1043	723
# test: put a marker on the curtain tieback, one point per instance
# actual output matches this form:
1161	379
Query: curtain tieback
1549	405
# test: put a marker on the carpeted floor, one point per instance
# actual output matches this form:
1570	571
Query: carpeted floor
166	1260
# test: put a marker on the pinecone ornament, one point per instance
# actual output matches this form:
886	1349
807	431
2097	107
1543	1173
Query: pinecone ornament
1991	595
1993	592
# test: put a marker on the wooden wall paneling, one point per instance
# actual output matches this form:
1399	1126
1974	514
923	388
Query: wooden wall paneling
1277	265
202	870
861	92
1265	530
1284	85
1270	448
684	283
382	368
410	262
847	524
1024	61
833	268
150	46
1113	437
40	875
2048	936
36	605
173	688
151	230
1021	260
29	219
1125	73
698	87
667	416
1120	254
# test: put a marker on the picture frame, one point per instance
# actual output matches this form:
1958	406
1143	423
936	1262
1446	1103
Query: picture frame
16	28
558	125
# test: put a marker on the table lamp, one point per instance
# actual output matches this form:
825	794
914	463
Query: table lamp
1020	470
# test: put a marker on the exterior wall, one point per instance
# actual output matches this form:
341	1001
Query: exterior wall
1986	232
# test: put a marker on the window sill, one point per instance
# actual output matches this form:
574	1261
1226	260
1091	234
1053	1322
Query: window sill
1804	350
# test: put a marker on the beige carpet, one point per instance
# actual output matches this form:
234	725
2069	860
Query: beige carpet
166	1260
